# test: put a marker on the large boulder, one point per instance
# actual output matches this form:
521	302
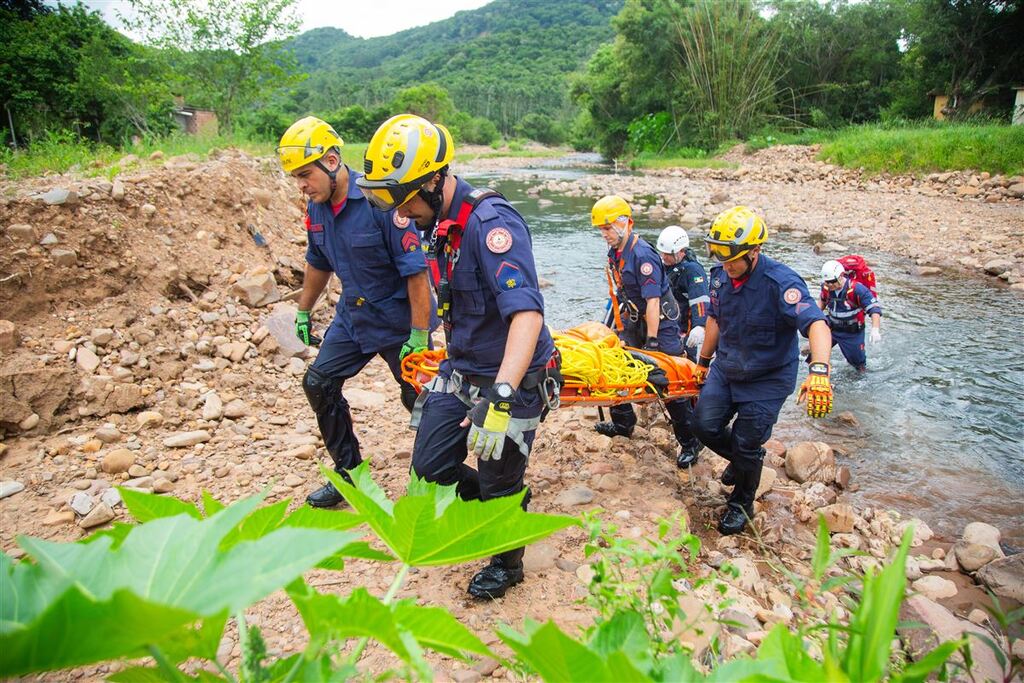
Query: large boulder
942	625
1005	576
811	461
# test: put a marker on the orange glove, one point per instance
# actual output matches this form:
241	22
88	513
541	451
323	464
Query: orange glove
817	391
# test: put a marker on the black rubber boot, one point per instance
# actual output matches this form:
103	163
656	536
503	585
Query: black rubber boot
729	476
734	520
609	428
688	454
325	497
741	501
504	571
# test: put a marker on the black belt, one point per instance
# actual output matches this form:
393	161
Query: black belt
531	380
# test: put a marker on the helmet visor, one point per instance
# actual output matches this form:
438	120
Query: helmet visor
388	194
724	252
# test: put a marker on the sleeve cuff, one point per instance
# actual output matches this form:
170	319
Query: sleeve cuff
518	300
411	263
318	262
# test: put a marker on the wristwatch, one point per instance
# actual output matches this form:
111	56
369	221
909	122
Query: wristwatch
501	396
818	368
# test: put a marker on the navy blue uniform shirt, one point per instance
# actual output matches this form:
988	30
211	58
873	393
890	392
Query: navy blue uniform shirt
690	285
372	253
757	323
643	277
846	308
494	278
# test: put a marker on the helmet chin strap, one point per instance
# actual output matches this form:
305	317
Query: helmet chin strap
435	198
333	175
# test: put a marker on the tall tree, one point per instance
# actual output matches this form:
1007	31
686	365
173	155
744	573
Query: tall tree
228	53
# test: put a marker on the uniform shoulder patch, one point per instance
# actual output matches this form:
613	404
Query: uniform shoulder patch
499	240
508	276
400	222
646	268
792	295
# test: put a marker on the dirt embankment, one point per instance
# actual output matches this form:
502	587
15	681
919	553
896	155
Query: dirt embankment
942	222
147	344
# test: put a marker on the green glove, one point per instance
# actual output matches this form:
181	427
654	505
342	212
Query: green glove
416	342
303	328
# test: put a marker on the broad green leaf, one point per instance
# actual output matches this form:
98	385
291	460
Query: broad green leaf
362	614
430	526
176	561
146	507
782	656
435	628
679	669
313	518
74	629
625	632
557	657
307	671
257	525
26	591
822	550
118	531
198	640
210	504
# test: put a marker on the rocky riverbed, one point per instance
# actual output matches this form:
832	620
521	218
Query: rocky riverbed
147	343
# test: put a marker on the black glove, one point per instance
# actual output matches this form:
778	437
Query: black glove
652	344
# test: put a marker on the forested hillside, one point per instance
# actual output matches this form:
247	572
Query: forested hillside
502	61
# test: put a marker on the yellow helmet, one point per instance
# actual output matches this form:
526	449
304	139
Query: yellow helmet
734	233
307	140
403	155
608	210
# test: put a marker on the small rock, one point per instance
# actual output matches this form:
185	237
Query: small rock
577	495
465	676
977	616
60	195
9	337
922	532
303	452
87	360
163	485
29	422
185	439
768	477
998	266
585	573
1005	576
982	534
748	573
935	587
539	557
10	487
293	480
281	326
974	556
101	514
925	270
848	419
22	232
839	517
236	408
82	503
117	461
64	257
361	399
810	461
111	497
213	407
59	517
256	288
92	446
843	477
108	434
149	418
136	471
117	190
720	198
101	336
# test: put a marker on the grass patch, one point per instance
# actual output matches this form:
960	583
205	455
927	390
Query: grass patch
676	160
929	149
62	152
514	154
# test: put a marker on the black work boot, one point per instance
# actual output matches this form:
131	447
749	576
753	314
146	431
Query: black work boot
734	520
729	476
504	571
325	497
610	428
688	453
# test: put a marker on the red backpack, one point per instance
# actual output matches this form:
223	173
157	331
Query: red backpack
856	269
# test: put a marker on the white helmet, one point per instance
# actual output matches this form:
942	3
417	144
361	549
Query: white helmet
672	240
832	270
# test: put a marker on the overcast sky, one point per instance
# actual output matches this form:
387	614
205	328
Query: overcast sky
363	18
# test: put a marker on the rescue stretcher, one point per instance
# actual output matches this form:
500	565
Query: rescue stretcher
597	369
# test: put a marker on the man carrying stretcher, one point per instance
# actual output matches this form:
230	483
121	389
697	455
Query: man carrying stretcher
645	314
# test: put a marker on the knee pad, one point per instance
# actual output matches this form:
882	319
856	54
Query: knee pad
321	390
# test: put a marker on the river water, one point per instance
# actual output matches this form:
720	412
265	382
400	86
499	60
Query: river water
941	408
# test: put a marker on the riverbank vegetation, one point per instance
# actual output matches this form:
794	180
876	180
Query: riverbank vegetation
585	73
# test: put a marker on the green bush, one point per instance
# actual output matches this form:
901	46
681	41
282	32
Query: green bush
542	128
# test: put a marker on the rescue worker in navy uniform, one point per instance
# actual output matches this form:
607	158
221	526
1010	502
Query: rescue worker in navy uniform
648	311
386	306
757	307
689	282
489	393
846	305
